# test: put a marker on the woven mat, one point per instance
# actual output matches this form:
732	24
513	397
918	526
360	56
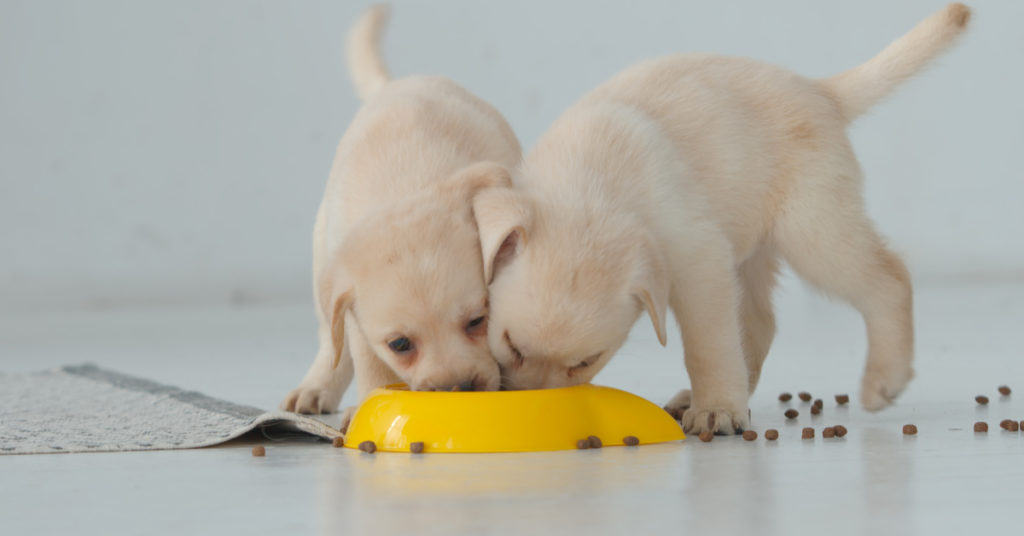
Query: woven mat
85	408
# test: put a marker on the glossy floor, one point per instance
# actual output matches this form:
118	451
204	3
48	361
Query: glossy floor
876	480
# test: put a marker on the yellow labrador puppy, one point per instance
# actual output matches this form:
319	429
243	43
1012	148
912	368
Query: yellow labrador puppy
398	279
680	183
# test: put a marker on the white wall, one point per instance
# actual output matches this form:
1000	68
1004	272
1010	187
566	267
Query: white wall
166	153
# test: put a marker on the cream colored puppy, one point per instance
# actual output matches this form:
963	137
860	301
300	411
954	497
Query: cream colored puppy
398	282
680	183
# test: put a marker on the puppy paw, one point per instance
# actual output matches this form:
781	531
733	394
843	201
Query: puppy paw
679	404
880	388
721	421
312	399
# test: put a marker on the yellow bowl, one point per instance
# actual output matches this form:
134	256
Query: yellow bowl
506	421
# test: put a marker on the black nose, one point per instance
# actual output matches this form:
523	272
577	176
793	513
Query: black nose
468	385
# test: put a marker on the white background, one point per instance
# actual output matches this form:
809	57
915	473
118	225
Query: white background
158	154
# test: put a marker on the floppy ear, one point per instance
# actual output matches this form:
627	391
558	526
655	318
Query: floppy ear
335	297
471	179
650	283
503	217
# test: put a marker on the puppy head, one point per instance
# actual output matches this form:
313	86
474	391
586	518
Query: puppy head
412	277
565	288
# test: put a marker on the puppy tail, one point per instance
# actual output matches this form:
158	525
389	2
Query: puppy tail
364	61
859	88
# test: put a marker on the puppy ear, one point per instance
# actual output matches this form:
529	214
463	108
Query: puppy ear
503	217
476	177
650	284
335	297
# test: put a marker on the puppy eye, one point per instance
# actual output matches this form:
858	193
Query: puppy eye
583	364
475	323
400	345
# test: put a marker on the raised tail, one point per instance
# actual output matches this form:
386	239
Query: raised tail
364	62
859	88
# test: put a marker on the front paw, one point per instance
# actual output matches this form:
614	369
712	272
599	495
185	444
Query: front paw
718	420
312	399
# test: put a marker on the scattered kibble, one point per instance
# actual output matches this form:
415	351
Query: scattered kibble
1013	426
630	441
805	396
842	400
840	430
815	410
594	442
416	447
791	413
1021	425
750	435
981	399
583	444
828	432
785	397
258	451
819	402
981	426
909	429
808	433
706	436
338	442
771	434
1005	424
1004	390
368	447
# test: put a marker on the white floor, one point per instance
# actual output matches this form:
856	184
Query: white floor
946	479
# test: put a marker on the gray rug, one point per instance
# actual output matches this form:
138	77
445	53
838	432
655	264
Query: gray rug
85	408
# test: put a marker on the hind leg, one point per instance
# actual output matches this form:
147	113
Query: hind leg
826	237
757	277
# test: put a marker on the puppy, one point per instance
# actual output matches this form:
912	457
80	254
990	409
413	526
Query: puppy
397	272
681	183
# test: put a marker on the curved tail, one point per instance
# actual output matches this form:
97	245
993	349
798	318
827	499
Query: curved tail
859	88
364	62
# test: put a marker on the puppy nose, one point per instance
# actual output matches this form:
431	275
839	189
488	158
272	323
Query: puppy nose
468	385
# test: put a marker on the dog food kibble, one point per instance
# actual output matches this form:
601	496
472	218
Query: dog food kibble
808	433
819	402
594	442
828	432
630	441
706	436
368	447
981	399
842	400
338	442
909	429
750	435
1013	426
258	450
1021	425
771	434
815	410
981	426
785	397
1004	424
805	396
416	447
840	430
583	444
1004	390
791	413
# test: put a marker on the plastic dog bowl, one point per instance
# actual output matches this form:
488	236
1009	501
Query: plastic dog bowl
506	421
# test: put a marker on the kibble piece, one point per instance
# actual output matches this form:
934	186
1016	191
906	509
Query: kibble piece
706	436
416	447
630	441
595	442
750	435
583	444
981	399
819	402
842	400
909	429
338	442
1005	424
1004	390
840	430
981	426
771	434
1021	425
805	396
791	413
815	410
785	397
828	432
808	433
258	450
368	447
1013	426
